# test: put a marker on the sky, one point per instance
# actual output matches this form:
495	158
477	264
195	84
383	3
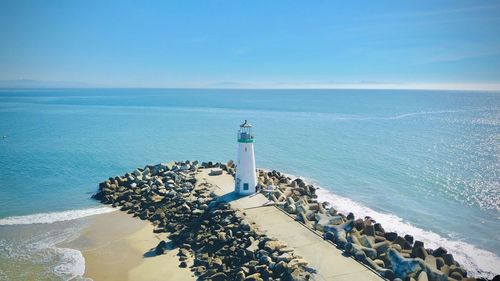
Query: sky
253	44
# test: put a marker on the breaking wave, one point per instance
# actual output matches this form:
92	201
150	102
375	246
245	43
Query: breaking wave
54	216
478	262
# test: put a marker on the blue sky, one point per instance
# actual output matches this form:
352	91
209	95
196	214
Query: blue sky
271	44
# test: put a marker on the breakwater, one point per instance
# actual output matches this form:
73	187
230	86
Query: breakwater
214	240
168	195
394	256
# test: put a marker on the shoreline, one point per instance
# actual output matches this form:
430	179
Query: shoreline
117	232
117	246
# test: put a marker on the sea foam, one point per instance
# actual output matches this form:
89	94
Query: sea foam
478	262
54	216
72	265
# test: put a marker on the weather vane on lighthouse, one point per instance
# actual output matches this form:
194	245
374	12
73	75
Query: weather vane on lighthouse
246	178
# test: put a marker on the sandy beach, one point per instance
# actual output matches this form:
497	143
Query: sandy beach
117	246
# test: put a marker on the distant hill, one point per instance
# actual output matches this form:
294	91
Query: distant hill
27	83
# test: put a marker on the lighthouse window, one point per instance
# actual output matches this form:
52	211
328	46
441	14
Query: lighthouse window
245	149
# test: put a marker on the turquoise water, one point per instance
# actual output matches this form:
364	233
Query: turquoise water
422	162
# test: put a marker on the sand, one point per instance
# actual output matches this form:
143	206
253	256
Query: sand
117	246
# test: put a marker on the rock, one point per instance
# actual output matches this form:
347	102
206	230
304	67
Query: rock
350	216
439	262
448	259
160	248
296	263
183	264
439	252
199	270
273	245
458	269
419	252
158	229
323	220
299	275
254	246
332	211
157	198
359	225
340	232
431	261
367	241
455	275
379	228
303	217
387	273
381	247
216	262
183	252
402	266
360	252
265	260
422	276
402	242
409	238
380	263
137	173
391	236
240	276
445	269
253	277
220	276
290	206
418	243
369	230
433	274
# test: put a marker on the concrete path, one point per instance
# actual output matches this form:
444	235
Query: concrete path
329	262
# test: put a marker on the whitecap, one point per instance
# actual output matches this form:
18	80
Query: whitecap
478	262
54	216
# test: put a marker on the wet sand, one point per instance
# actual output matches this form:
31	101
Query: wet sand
117	246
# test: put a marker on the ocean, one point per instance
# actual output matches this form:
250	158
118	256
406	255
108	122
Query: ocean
426	163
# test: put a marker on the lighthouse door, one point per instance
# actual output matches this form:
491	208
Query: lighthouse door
245	186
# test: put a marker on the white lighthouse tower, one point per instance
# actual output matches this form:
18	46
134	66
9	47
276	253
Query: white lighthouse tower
246	179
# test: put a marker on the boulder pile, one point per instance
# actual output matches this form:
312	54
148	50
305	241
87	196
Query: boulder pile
213	239
393	256
226	247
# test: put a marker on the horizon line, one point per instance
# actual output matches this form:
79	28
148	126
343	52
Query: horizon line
259	88
41	84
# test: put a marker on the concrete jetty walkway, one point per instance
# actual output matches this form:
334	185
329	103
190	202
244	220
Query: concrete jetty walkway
329	262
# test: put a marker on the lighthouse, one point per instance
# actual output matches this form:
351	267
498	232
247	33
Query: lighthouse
246	178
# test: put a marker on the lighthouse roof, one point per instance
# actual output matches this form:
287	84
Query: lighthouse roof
246	125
